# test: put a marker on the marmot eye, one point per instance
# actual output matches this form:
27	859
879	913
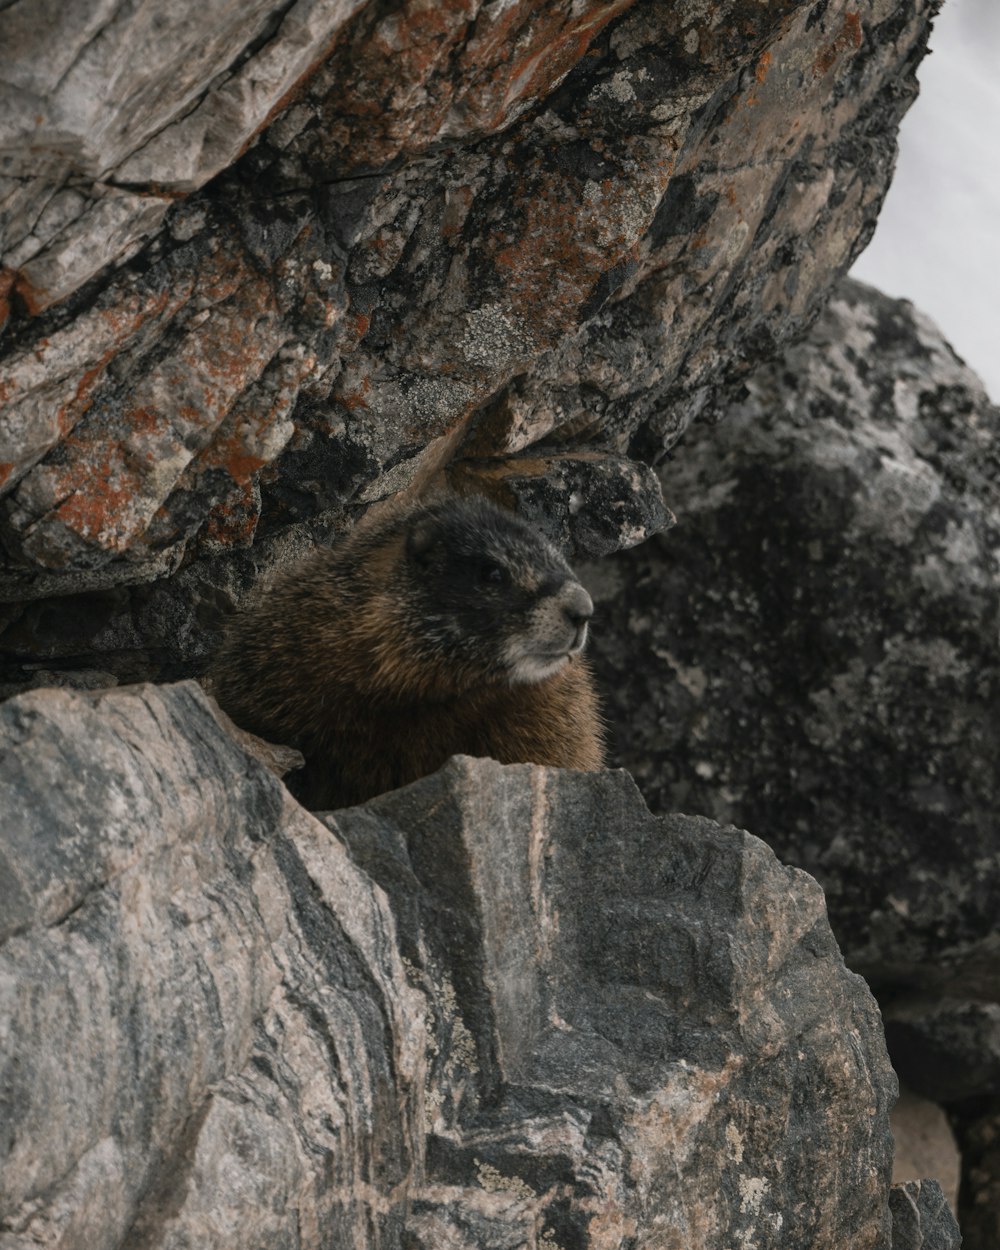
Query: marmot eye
492	574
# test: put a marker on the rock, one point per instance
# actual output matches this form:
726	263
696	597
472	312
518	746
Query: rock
521	1012
925	1145
977	1127
948	1049
209	1038
276	758
921	1218
378	247
142	105
650	1004
811	651
588	505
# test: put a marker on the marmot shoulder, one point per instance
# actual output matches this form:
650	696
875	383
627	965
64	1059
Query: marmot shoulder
445	628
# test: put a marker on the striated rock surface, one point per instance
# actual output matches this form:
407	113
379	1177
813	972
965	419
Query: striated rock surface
521	1011
208	1037
324	251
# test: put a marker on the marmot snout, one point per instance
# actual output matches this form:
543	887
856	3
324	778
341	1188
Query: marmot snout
449	628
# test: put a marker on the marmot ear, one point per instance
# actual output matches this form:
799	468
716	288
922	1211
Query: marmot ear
420	540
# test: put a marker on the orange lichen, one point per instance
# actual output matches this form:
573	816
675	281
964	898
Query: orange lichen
70	413
547	58
99	514
352	400
849	39
33	300
398	86
7	277
234	523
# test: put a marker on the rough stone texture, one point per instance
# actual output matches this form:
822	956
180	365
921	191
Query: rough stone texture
108	111
977	1127
921	1218
565	1022
925	1144
812	650
208	1038
650	1005
460	235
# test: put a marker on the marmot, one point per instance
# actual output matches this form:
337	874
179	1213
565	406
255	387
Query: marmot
445	628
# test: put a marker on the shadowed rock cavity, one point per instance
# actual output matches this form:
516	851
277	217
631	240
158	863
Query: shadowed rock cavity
501	1007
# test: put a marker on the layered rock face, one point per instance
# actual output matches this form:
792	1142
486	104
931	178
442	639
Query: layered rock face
812	651
502	1007
521	244
263	267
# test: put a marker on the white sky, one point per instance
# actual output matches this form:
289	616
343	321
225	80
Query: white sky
938	236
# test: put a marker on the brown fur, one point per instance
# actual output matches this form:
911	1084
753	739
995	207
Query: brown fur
336	660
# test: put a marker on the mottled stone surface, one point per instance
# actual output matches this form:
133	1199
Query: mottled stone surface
921	1218
109	111
505	1007
456	233
208	1037
812	650
667	1048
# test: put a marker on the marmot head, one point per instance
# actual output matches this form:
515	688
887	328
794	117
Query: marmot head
487	598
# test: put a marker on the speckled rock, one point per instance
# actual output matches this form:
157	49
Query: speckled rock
551	231
504	1007
921	1218
811	651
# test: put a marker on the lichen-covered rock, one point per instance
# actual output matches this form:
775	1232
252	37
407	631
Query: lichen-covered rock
811	651
521	1012
453	236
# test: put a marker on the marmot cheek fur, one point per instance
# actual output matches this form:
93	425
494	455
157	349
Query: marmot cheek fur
448	628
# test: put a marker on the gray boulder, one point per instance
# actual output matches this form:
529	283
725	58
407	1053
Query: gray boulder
502	1007
811	651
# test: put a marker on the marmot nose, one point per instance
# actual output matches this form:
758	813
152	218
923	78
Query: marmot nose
577	606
